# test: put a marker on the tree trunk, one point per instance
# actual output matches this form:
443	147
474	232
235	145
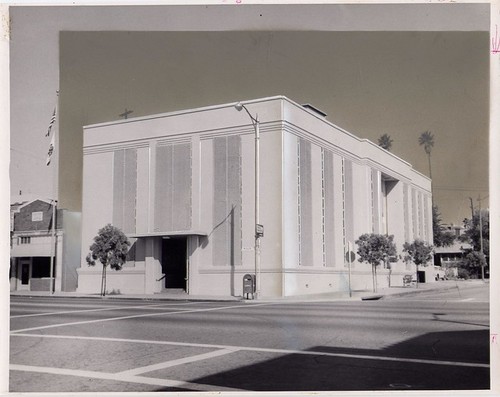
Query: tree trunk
373	277
104	292
430	168
102	279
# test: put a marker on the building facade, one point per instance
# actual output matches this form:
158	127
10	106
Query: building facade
34	242
181	185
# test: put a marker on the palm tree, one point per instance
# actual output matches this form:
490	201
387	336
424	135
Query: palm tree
385	142
427	140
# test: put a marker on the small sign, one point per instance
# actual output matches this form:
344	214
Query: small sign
259	230
350	256
37	216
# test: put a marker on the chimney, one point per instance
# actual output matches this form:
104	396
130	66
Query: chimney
310	107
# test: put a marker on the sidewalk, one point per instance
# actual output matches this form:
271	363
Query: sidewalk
383	293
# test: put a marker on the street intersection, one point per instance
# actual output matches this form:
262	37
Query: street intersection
436	340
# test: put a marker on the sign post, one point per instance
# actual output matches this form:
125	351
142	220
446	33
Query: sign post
350	257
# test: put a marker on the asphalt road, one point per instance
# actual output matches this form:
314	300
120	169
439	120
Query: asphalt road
430	341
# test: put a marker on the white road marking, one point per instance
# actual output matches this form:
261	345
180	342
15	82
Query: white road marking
30	304
181	361
134	316
442	301
107	308
120	378
265	350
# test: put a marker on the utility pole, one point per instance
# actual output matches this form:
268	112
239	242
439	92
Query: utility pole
471	208
481	236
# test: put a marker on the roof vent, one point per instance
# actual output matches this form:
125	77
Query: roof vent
308	106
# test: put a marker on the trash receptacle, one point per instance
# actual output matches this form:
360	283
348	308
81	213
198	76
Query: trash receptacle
248	285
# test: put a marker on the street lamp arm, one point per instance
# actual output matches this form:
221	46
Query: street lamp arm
239	106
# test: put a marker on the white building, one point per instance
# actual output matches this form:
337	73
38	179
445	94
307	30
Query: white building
181	186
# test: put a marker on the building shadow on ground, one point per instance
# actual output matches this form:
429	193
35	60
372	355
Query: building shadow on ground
344	369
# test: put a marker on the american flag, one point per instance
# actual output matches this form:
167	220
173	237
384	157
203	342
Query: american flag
51	149
51	123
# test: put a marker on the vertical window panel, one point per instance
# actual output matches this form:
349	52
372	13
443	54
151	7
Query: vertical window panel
376	201
305	203
420	216
414	213
348	200
181	208
329	209
226	237
173	187
125	189
406	213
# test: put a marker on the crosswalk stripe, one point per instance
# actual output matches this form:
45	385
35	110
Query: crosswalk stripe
268	350
102	309
119	377
134	316
181	361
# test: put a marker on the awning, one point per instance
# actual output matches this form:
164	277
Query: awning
181	233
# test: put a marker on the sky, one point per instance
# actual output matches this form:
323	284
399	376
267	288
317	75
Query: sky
370	83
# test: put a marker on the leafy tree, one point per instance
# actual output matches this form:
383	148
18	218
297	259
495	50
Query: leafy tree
375	249
426	140
419	252
110	247
472	263
472	231
441	237
385	142
477	233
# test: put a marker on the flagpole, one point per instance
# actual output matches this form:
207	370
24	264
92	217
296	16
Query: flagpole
53	244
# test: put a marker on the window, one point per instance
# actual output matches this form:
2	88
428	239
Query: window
305	203
24	240
328	209
227	201
124	189
41	267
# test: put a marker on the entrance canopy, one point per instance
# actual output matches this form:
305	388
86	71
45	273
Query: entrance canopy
169	234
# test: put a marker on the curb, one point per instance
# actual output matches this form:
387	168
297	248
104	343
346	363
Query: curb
152	298
130	298
418	291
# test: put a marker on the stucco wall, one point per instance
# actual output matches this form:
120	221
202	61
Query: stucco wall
293	249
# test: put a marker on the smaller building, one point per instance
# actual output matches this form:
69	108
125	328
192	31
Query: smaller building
34	242
447	259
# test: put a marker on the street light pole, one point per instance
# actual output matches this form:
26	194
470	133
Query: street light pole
256	125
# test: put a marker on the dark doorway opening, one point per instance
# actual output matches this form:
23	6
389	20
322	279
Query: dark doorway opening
174	262
421	276
25	273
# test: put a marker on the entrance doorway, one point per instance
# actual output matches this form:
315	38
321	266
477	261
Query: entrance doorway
174	262
24	272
